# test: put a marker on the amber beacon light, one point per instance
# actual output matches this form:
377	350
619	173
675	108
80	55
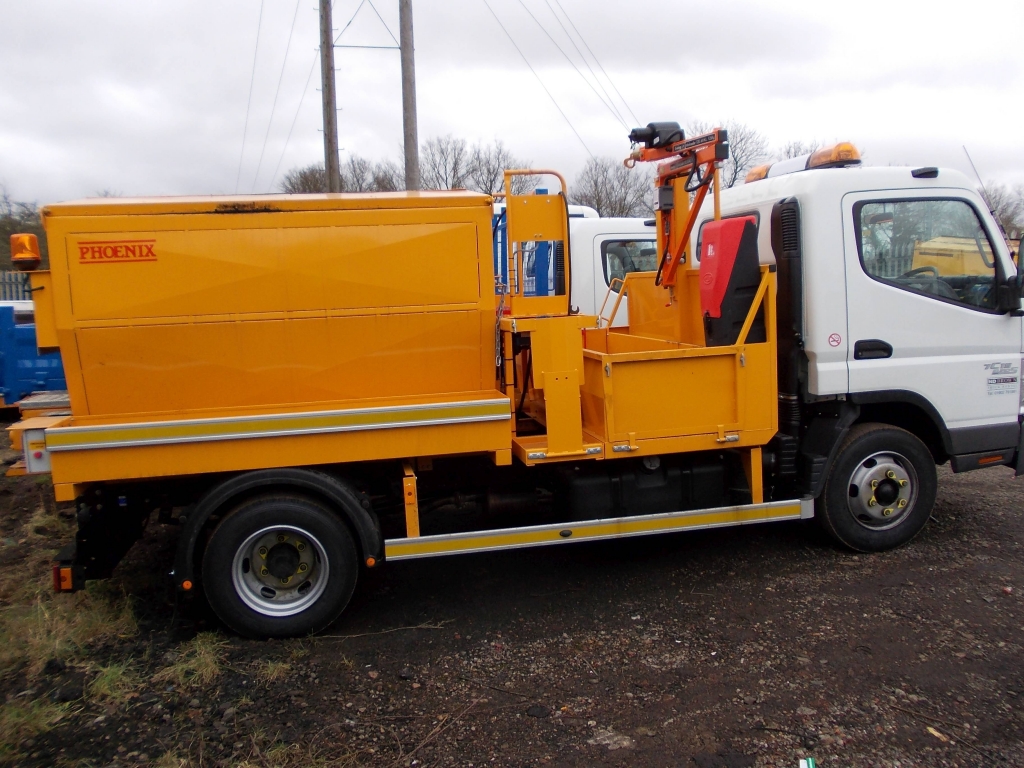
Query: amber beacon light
843	153
838	155
25	252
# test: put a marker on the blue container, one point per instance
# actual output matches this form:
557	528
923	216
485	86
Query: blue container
22	369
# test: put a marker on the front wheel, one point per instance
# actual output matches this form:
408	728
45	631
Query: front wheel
279	566
880	489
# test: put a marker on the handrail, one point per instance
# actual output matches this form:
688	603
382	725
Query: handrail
607	295
755	305
534	172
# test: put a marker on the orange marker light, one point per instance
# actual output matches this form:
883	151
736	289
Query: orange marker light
843	153
370	562
186	585
758	173
25	252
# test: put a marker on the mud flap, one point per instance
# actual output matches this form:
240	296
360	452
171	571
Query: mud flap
1018	463
821	442
108	524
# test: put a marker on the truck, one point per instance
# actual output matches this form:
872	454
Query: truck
315	385
602	250
23	370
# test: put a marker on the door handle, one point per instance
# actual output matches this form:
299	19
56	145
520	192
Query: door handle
871	349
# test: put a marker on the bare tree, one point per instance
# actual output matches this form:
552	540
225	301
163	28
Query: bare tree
307	180
388	176
747	148
357	175
446	162
1007	205
796	149
488	165
612	189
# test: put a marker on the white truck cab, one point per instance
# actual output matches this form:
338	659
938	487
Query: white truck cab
900	284
603	251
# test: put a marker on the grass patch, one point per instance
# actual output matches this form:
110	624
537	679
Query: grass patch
171	760
44	625
264	750
114	682
20	720
35	623
280	755
268	671
199	661
46	523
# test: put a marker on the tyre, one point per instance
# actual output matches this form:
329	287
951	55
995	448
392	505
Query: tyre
279	566
880	489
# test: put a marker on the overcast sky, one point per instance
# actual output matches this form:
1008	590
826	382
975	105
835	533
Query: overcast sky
150	97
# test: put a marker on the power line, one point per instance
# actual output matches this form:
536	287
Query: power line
608	106
273	107
382	21
527	62
353	18
596	60
585	62
294	119
248	103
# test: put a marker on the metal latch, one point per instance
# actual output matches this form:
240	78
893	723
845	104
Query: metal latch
724	438
631	446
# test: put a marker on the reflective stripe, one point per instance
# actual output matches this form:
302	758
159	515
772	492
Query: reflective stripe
590	530
275	425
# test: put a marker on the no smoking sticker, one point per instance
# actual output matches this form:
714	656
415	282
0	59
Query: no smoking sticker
835	340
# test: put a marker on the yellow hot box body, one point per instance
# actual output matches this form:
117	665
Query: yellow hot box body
347	327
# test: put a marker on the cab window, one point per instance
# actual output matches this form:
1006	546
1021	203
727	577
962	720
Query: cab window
620	257
933	247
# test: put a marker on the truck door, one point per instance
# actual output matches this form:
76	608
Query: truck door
615	257
921	274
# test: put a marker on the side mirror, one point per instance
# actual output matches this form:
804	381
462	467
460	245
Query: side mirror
1009	293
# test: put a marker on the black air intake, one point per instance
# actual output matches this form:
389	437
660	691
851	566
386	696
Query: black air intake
790	307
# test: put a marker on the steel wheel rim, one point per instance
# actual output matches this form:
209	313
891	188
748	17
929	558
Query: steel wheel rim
882	490
280	570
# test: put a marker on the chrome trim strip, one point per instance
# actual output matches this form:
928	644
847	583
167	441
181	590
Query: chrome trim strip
280	416
306	415
578	530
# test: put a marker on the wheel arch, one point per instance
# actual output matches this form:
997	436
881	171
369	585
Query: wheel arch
909	411
352	507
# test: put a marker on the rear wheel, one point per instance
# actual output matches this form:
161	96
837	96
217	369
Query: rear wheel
280	566
880	490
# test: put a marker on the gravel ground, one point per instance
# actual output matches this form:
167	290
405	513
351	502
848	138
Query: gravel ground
750	646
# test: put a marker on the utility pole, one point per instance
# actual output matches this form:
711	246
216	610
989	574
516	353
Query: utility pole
411	138
331	163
